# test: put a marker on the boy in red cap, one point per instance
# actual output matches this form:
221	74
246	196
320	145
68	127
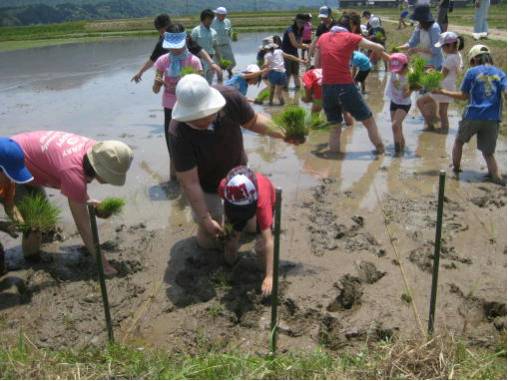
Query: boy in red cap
249	200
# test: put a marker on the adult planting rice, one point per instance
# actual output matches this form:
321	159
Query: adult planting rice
425	37
291	42
207	143
162	23
223	27
206	37
335	49
70	162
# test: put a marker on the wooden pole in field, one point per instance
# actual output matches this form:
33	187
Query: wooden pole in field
100	269
437	251
276	254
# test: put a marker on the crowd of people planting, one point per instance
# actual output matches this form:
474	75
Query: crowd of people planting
206	107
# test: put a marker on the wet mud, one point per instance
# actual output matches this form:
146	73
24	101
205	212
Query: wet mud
351	222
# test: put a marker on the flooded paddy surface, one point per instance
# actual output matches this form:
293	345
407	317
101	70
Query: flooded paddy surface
348	223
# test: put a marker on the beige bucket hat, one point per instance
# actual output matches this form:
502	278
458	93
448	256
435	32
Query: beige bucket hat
111	160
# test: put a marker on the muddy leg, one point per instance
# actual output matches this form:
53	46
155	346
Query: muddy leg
492	166
398	137
370	125
427	107
279	91
272	93
231	248
457	155
348	119
334	140
443	115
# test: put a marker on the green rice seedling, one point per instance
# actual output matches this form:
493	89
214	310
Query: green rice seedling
234	36
110	206
228	231
316	122
187	70
379	36
224	63
38	214
431	80
414	79
394	49
418	64
292	122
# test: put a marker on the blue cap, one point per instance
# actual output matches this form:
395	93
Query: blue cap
174	40
12	161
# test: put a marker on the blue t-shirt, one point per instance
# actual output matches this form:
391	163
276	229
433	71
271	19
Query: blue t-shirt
485	85
238	82
361	61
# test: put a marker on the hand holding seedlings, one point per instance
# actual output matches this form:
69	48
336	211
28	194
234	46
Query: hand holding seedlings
109	206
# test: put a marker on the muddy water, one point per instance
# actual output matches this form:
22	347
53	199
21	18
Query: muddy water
334	209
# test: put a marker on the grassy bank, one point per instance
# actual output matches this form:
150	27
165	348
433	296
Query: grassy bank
439	358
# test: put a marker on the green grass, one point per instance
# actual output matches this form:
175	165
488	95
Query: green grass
440	358
38	214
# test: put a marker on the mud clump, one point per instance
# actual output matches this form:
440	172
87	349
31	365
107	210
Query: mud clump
350	294
368	272
491	198
423	257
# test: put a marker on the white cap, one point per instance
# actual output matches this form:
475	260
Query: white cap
324	12
252	68
446	38
196	99
375	22
221	11
240	190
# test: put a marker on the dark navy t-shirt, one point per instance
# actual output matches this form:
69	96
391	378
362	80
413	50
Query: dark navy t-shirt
287	47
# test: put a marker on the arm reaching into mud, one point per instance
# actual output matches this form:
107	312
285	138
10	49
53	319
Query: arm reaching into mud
263	125
189	181
264	249
82	220
137	78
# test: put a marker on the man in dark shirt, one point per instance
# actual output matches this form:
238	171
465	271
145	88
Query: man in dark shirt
161	23
207	143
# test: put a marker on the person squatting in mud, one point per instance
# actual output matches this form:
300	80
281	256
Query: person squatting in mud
207	143
249	202
69	162
12	171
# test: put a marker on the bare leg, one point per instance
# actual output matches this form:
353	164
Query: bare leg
443	115
334	141
272	93
398	137
457	155
348	118
371	126
427	107
492	167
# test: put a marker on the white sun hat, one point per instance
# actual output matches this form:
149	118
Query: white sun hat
196	99
446	38
221	11
252	68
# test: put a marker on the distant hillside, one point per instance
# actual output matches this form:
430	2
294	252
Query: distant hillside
29	12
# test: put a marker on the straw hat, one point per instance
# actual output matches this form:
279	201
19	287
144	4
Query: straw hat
111	160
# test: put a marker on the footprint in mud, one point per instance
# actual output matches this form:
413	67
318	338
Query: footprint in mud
491	198
126	267
368	272
423	257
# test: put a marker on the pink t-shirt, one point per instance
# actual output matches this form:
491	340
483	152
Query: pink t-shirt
307	31
162	64
55	159
335	50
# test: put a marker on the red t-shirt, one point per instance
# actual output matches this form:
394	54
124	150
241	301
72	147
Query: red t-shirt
336	50
266	201
312	80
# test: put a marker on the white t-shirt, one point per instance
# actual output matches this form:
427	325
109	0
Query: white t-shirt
275	60
454	63
395	89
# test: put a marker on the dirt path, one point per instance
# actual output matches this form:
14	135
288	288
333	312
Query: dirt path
494	34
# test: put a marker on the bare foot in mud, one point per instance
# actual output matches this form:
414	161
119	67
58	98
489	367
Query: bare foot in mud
109	271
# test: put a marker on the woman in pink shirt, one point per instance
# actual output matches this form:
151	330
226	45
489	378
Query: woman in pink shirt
168	72
307	34
70	162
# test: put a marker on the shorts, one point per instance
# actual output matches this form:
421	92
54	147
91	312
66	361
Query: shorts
214	204
339	98
361	76
277	78
292	67
394	107
486	132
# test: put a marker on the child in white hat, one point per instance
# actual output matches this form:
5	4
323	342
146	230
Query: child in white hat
250	76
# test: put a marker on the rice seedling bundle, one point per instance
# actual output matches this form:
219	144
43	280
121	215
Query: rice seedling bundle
292	122
187	70
234	36
315	121
416	72
263	95
110	206
431	80
224	63
38	214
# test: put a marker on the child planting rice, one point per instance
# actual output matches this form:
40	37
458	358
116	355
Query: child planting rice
274	61
429	104
482	87
249	201
361	65
399	93
169	71
250	76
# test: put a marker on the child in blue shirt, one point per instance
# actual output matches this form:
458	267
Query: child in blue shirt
250	76
483	86
360	62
